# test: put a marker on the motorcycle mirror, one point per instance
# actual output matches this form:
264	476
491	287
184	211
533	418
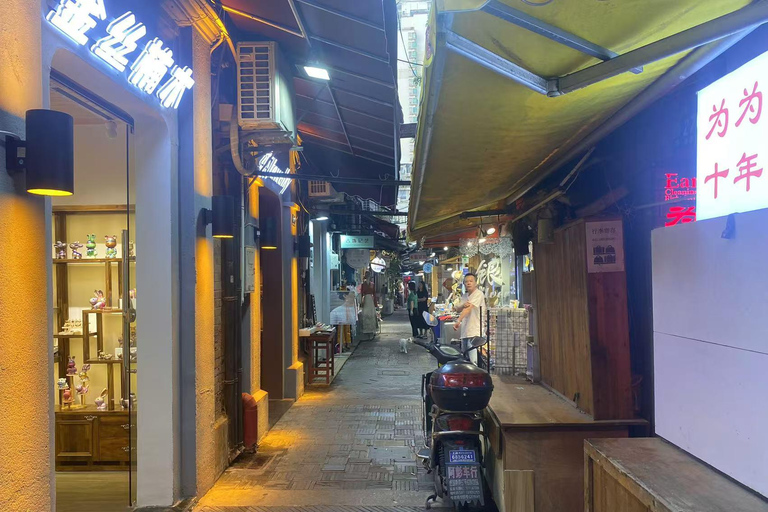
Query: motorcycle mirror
430	319
476	342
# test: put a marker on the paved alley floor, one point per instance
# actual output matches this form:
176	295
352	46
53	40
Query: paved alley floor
350	447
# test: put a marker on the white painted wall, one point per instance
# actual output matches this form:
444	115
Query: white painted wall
710	306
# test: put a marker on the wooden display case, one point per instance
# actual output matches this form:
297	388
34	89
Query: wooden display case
87	438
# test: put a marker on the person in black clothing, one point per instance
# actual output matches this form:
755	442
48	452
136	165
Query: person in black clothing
413	309
423	302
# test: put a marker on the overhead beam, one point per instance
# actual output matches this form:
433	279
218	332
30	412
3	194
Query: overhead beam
746	18
341	119
551	32
340	14
408	130
300	22
494	62
331	179
261	20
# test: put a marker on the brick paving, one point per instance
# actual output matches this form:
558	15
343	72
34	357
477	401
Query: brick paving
346	448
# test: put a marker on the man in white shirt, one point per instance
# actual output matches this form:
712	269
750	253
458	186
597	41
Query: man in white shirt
469	321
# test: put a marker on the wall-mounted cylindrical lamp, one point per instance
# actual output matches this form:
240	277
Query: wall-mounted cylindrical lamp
223	216
48	154
269	234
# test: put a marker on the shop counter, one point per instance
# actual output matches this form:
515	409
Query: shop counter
651	475
536	459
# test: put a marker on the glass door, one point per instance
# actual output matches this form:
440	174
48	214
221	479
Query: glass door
130	353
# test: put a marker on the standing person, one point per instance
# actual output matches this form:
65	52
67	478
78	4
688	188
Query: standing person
469	310
413	309
369	304
422	294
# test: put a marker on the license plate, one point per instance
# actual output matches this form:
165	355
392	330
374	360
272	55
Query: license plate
462	457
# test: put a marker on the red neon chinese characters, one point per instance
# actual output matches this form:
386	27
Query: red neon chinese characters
680	215
747	169
717	174
720	118
748	104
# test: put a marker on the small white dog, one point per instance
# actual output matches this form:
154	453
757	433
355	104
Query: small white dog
404	345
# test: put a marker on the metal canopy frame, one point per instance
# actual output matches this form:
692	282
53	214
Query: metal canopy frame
746	18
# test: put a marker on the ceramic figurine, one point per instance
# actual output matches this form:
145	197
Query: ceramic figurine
75	253
130	249
61	250
98	301
84	374
104	356
82	389
66	397
101	404
111	243
62	382
90	245
71	368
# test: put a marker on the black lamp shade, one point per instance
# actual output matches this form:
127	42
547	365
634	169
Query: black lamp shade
268	233
50	153
223	217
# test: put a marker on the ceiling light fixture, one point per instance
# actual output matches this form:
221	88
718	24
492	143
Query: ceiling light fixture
491	230
445	248
316	72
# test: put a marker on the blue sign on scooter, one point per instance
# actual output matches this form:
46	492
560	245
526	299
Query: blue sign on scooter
461	457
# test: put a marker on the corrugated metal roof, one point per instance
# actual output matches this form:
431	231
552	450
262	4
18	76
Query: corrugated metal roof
357	112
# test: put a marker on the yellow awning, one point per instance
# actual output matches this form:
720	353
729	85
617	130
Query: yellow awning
487	136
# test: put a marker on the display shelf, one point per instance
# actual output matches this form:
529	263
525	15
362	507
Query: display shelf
60	336
82	261
104	361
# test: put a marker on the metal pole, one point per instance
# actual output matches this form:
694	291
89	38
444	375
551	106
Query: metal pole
746	18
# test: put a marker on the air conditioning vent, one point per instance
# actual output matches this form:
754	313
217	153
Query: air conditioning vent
264	90
321	189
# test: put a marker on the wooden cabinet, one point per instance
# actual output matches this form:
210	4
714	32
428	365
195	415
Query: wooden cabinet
88	439
651	475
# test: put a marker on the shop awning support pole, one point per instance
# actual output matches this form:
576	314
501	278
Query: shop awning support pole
551	32
495	63
746	18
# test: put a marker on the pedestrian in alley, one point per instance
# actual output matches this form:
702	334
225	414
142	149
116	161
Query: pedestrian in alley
470	310
412	303
422	294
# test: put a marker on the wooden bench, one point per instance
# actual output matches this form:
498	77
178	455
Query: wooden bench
537	447
652	475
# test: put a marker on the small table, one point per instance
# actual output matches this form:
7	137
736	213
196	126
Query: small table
322	369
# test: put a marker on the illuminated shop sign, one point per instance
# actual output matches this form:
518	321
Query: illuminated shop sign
680	190
731	150
357	242
268	163
153	66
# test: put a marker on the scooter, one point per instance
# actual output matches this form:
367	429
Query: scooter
454	397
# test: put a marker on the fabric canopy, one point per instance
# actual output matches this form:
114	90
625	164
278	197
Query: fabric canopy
483	137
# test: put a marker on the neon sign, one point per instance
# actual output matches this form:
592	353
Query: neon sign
75	18
679	189
268	163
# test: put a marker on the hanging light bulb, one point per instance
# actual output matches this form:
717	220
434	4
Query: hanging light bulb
491	230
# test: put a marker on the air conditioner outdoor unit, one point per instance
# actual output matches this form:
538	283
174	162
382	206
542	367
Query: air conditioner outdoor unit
265	92
321	189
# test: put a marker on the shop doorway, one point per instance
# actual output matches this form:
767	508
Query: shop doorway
272	363
94	317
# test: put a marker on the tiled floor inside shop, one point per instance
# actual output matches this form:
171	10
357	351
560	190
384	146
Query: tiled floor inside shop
349	447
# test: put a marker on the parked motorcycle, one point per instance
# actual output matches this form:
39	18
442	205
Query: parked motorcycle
454	397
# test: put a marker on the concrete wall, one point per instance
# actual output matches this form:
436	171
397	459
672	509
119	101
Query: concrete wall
26	471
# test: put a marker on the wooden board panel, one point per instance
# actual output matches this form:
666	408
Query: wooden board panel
516	403
609	335
563	316
557	460
518	491
610	496
666	479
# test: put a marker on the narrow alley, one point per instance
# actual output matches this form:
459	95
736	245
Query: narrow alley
360	436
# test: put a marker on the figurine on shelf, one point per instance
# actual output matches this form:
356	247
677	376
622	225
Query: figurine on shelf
98	301
111	243
71	367
101	404
90	245
62	382
75	253
82	389
84	373
66	397
130	249
61	250
104	356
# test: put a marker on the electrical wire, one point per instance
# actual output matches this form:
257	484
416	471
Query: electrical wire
402	39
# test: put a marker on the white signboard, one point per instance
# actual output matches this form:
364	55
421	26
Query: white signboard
378	264
250	270
357	241
605	246
731	143
358	258
119	40
268	163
